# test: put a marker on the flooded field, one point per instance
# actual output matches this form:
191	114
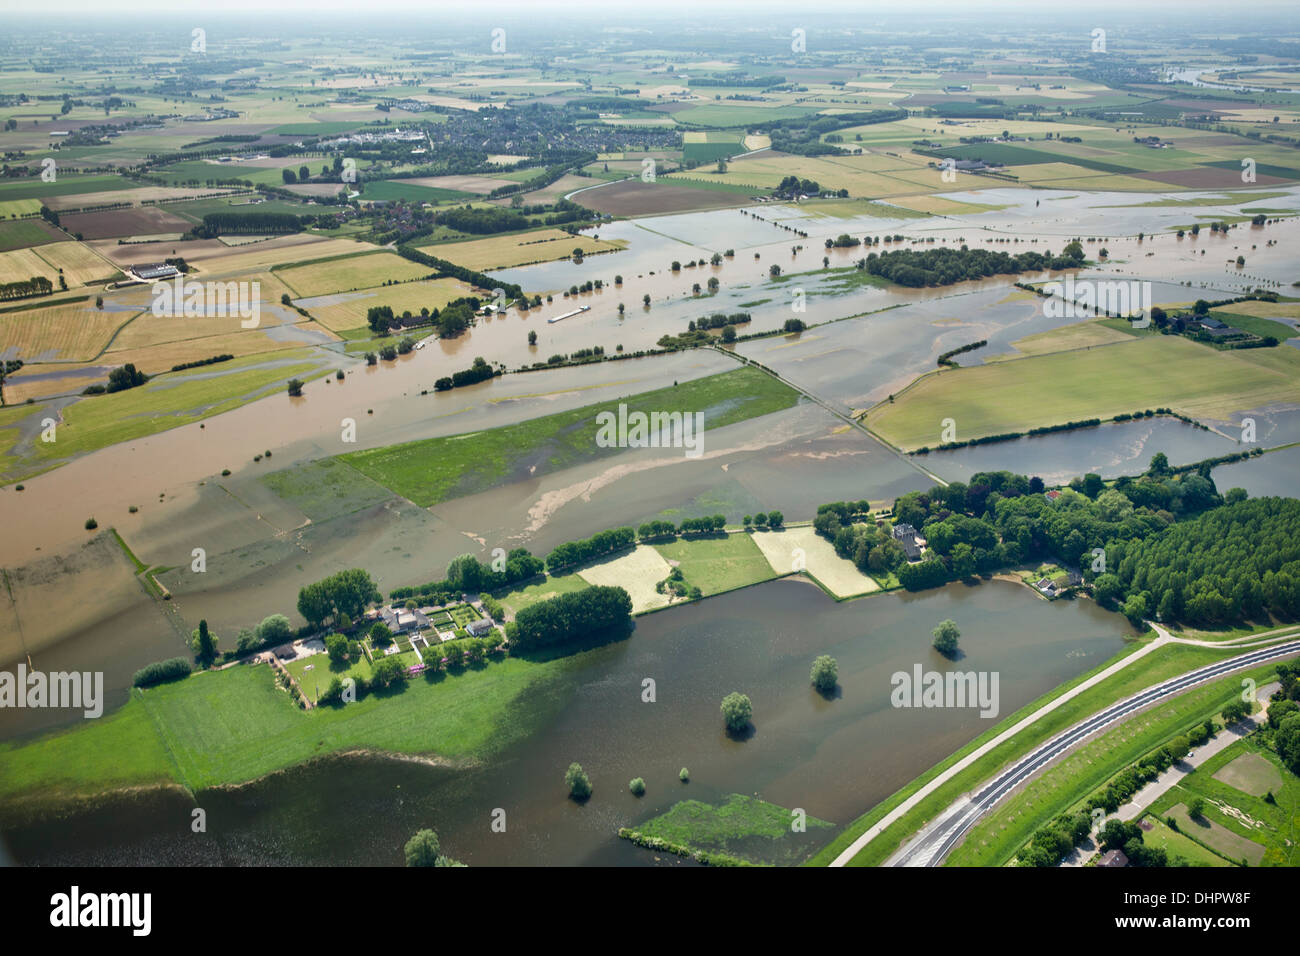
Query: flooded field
832	757
1123	448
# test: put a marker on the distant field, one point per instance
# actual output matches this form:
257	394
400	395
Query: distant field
437	469
350	274
102	420
474	185
525	248
635	198
79	263
1076	336
68	333
23	233
22	264
33	188
19	207
1049	389
410	190
870	176
137	221
347	310
194	210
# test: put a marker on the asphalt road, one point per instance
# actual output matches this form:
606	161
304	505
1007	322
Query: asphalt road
937	840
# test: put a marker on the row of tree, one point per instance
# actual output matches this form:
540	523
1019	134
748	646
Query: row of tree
468	575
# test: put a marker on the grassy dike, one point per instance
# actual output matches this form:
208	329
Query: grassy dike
1161	664
996	838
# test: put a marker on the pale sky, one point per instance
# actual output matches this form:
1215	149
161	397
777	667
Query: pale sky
867	9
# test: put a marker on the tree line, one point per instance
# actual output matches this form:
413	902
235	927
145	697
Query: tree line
568	617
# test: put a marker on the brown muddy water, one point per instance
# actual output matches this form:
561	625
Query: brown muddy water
834	758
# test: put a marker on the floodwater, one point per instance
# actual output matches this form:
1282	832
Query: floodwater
833	758
174	477
1111	450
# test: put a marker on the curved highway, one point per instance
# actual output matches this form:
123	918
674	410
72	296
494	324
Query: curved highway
937	840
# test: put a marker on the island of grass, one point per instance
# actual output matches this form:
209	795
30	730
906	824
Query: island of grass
433	470
1102	382
741	830
235	725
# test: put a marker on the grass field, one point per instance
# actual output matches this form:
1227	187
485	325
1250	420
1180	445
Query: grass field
1238	821
435	469
1175	844
103	420
742	826
1079	335
1252	774
517	599
364	271
23	233
717	563
1217	837
998	835
525	248
325	489
404	189
1099	383
63	186
232	726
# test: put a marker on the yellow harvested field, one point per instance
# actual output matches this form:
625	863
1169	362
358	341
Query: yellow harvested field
637	572
465	184
1050	172
941	206
133	196
1266	310
348	310
162	356
871	175
350	274
802	548
34	382
23	264
1080	335
75	332
503	252
78	261
220	259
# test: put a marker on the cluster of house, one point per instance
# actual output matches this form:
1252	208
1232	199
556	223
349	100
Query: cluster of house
402	620
1212	327
1050	589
